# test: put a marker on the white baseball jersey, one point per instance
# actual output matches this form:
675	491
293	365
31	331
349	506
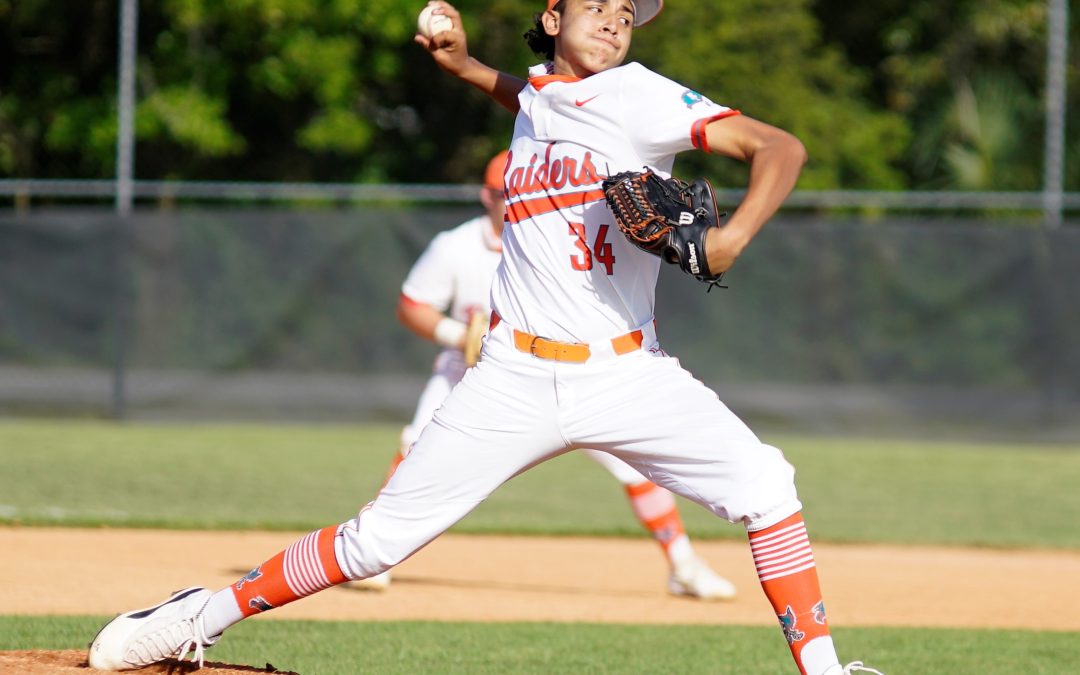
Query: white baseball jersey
454	272
453	275
570	274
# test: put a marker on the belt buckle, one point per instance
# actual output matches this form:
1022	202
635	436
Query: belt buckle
532	345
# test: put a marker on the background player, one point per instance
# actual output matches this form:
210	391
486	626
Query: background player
572	361
448	286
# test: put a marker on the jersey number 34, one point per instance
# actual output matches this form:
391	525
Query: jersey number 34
600	251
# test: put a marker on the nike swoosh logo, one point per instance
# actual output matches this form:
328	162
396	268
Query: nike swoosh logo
580	103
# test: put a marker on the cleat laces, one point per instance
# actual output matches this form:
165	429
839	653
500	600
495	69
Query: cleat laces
172	641
858	667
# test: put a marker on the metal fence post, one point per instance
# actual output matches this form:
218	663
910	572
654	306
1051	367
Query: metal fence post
1057	31
125	161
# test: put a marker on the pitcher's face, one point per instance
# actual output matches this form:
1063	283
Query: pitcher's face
591	36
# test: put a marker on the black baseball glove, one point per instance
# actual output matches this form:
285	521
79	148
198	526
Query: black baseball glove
666	217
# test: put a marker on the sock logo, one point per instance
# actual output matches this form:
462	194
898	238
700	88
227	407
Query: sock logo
787	623
819	612
250	576
665	535
259	604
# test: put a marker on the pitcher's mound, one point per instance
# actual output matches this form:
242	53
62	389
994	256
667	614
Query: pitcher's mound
73	662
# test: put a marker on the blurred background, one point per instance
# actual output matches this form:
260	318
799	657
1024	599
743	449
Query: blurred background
207	209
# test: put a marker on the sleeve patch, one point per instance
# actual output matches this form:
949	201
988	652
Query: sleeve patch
691	98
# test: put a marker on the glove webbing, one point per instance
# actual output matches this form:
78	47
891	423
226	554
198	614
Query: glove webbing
633	207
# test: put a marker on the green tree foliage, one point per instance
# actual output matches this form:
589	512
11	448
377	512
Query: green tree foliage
56	68
337	91
969	75
959	69
981	139
766	58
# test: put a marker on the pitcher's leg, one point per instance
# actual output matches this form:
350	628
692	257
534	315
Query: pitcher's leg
489	429
690	443
788	575
497	421
448	372
671	428
444	477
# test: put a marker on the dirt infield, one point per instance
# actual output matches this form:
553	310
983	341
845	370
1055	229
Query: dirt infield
73	662
487	578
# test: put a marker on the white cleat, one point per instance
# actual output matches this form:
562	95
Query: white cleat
379	582
695	579
145	636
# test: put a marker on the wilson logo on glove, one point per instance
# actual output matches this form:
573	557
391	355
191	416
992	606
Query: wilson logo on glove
693	261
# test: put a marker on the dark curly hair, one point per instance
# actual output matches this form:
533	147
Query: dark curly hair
540	42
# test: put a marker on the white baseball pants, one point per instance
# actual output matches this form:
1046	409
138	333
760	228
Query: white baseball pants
514	410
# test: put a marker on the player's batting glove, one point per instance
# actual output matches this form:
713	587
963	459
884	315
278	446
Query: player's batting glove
666	217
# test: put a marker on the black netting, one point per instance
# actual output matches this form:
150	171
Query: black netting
277	312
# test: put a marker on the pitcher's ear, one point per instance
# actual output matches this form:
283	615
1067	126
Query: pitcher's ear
551	20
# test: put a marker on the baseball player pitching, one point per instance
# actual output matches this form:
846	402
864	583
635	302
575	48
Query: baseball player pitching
571	359
444	299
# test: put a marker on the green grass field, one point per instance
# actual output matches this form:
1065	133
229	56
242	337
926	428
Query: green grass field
301	477
407	648
84	473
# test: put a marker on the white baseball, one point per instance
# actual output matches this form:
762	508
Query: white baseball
429	24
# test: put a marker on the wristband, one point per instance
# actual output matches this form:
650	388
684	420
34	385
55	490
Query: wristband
450	332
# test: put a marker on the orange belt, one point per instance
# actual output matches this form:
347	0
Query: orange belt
571	352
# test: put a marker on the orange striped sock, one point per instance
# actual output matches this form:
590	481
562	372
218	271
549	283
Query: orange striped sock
785	567
655	508
307	566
